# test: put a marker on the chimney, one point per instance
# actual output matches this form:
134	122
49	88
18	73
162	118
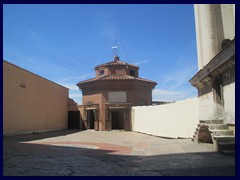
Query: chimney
116	58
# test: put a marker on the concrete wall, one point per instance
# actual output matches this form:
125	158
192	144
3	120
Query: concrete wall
207	107
229	103
173	120
32	103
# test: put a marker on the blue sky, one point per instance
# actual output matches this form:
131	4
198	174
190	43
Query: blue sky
63	43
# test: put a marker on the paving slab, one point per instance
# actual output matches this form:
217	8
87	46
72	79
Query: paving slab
110	153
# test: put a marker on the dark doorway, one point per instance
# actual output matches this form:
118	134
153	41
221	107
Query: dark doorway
117	120
218	88
90	119
73	120
219	96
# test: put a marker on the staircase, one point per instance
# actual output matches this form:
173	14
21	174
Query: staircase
217	133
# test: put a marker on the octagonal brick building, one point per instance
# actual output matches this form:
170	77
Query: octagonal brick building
108	97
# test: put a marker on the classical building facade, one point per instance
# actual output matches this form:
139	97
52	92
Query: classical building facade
107	98
215	80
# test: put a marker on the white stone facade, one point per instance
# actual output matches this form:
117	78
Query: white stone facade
214	23
215	80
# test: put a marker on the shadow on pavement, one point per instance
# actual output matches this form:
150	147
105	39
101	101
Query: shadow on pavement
25	159
42	135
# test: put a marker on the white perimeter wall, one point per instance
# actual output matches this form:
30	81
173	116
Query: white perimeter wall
229	103
173	120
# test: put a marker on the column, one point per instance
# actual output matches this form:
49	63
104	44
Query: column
205	33
228	20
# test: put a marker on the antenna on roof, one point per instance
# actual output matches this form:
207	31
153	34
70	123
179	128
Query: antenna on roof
115	47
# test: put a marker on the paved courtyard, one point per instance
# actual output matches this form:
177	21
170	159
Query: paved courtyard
110	153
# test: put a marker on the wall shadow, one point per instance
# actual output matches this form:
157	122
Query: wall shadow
25	159
40	135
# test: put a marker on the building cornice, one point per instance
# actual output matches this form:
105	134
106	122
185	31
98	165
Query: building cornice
224	57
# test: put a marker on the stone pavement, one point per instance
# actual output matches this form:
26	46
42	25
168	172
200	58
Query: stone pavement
110	153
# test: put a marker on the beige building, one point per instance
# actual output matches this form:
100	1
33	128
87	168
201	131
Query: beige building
215	80
32	103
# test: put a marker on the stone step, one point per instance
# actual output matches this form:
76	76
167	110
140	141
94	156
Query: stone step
194	138
218	126
226	146
221	132
219	121
221	139
213	126
227	152
226	138
202	124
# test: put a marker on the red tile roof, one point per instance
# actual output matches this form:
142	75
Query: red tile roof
116	77
114	63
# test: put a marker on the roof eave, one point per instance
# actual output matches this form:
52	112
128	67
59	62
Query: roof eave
220	59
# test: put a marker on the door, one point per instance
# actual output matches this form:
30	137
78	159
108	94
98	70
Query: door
73	120
117	119
90	119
